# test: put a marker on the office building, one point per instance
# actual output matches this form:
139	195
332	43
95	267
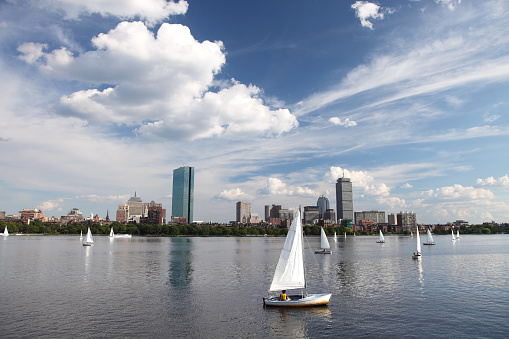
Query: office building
311	215
344	201
323	206
183	193
272	213
377	217
243	212
407	221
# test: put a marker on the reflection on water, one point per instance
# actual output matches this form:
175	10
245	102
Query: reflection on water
213	287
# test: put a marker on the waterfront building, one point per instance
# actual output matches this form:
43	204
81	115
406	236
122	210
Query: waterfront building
122	213
255	218
377	217
27	215
183	193
323	206
272	213
344	201
330	216
311	215
391	219
243	210
407	221
156	214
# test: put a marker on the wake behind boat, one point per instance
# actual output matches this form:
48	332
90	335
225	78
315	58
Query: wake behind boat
113	235
290	273
324	243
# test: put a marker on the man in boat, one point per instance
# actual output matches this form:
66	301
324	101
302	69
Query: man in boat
283	296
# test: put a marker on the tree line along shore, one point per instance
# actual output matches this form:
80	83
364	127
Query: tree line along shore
39	227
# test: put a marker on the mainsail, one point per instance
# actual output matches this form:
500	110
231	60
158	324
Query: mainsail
289	272
418	242
324	242
430	237
381	236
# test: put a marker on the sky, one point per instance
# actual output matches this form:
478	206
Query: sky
270	101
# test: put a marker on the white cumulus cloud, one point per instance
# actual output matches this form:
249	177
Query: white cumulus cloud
232	194
365	11
345	123
490	181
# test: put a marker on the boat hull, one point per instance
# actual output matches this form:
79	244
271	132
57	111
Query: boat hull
429	243
380	242
298	301
87	244
323	252
416	256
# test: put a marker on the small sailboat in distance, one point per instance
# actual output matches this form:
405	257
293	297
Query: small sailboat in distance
458	234
430	239
453	237
324	243
6	232
382	239
417	255
335	237
89	241
81	234
291	275
111	232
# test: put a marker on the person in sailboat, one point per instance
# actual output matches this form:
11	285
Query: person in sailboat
283	296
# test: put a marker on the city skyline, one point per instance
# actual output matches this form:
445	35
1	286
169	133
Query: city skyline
270	103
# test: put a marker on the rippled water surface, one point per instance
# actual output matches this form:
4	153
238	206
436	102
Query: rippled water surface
54	287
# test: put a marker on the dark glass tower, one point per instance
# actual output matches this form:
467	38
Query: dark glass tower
344	200
183	193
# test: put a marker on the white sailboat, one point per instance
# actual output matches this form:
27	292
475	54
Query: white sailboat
382	239
6	232
81	234
458	234
111	233
430	239
88	239
335	237
417	255
290	273
453	237
345	235
411	234
324	243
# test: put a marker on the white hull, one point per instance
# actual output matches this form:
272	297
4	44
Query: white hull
323	251
298	301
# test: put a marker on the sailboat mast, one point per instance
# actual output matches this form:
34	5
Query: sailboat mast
302	249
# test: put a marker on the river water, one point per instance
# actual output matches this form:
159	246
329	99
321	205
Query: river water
54	287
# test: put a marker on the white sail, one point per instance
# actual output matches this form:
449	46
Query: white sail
335	237
458	234
111	232
453	237
418	242
6	232
324	242
289	272
430	237
381	236
88	239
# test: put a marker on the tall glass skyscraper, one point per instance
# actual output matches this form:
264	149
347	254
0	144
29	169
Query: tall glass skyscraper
183	193
344	200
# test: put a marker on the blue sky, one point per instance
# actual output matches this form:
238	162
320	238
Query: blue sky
270	102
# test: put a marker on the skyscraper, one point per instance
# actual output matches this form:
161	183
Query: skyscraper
243	212
323	205
183	193
344	200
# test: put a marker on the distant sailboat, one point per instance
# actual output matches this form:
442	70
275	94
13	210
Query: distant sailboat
324	243
290	273
111	232
81	234
453	237
458	234
430	239
345	235
89	241
335	237
382	240
417	255
411	234
6	232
